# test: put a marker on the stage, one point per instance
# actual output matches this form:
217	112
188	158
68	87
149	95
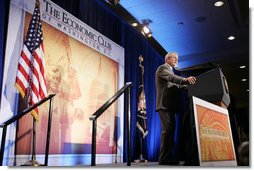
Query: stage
141	164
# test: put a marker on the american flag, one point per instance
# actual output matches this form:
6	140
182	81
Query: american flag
30	80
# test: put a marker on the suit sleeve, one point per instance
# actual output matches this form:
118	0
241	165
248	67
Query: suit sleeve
164	73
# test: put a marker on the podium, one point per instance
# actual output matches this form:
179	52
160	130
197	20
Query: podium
207	123
211	86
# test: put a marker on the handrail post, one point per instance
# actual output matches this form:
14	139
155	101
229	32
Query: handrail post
94	142
15	118
3	144
98	114
128	127
48	131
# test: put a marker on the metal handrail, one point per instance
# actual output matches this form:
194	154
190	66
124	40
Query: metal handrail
99	112
16	117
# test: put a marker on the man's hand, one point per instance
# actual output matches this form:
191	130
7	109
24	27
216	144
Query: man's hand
190	80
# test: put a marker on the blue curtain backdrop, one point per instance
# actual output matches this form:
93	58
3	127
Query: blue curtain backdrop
1	42
98	16
4	10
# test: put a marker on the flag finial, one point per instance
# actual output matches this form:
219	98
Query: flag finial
140	58
37	3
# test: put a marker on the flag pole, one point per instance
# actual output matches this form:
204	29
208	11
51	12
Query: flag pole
141	158
33	161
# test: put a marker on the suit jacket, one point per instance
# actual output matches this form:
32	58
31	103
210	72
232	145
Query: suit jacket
167	88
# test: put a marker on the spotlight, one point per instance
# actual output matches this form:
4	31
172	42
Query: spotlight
145	30
149	35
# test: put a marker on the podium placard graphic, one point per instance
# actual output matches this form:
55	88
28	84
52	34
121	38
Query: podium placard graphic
214	137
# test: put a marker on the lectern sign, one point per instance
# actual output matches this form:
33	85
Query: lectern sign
214	138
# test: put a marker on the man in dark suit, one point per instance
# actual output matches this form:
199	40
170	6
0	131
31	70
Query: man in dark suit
167	87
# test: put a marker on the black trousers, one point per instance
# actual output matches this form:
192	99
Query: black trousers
167	120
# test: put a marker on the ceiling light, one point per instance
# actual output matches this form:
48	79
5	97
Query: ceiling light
134	24
243	66
244	79
231	38
218	3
